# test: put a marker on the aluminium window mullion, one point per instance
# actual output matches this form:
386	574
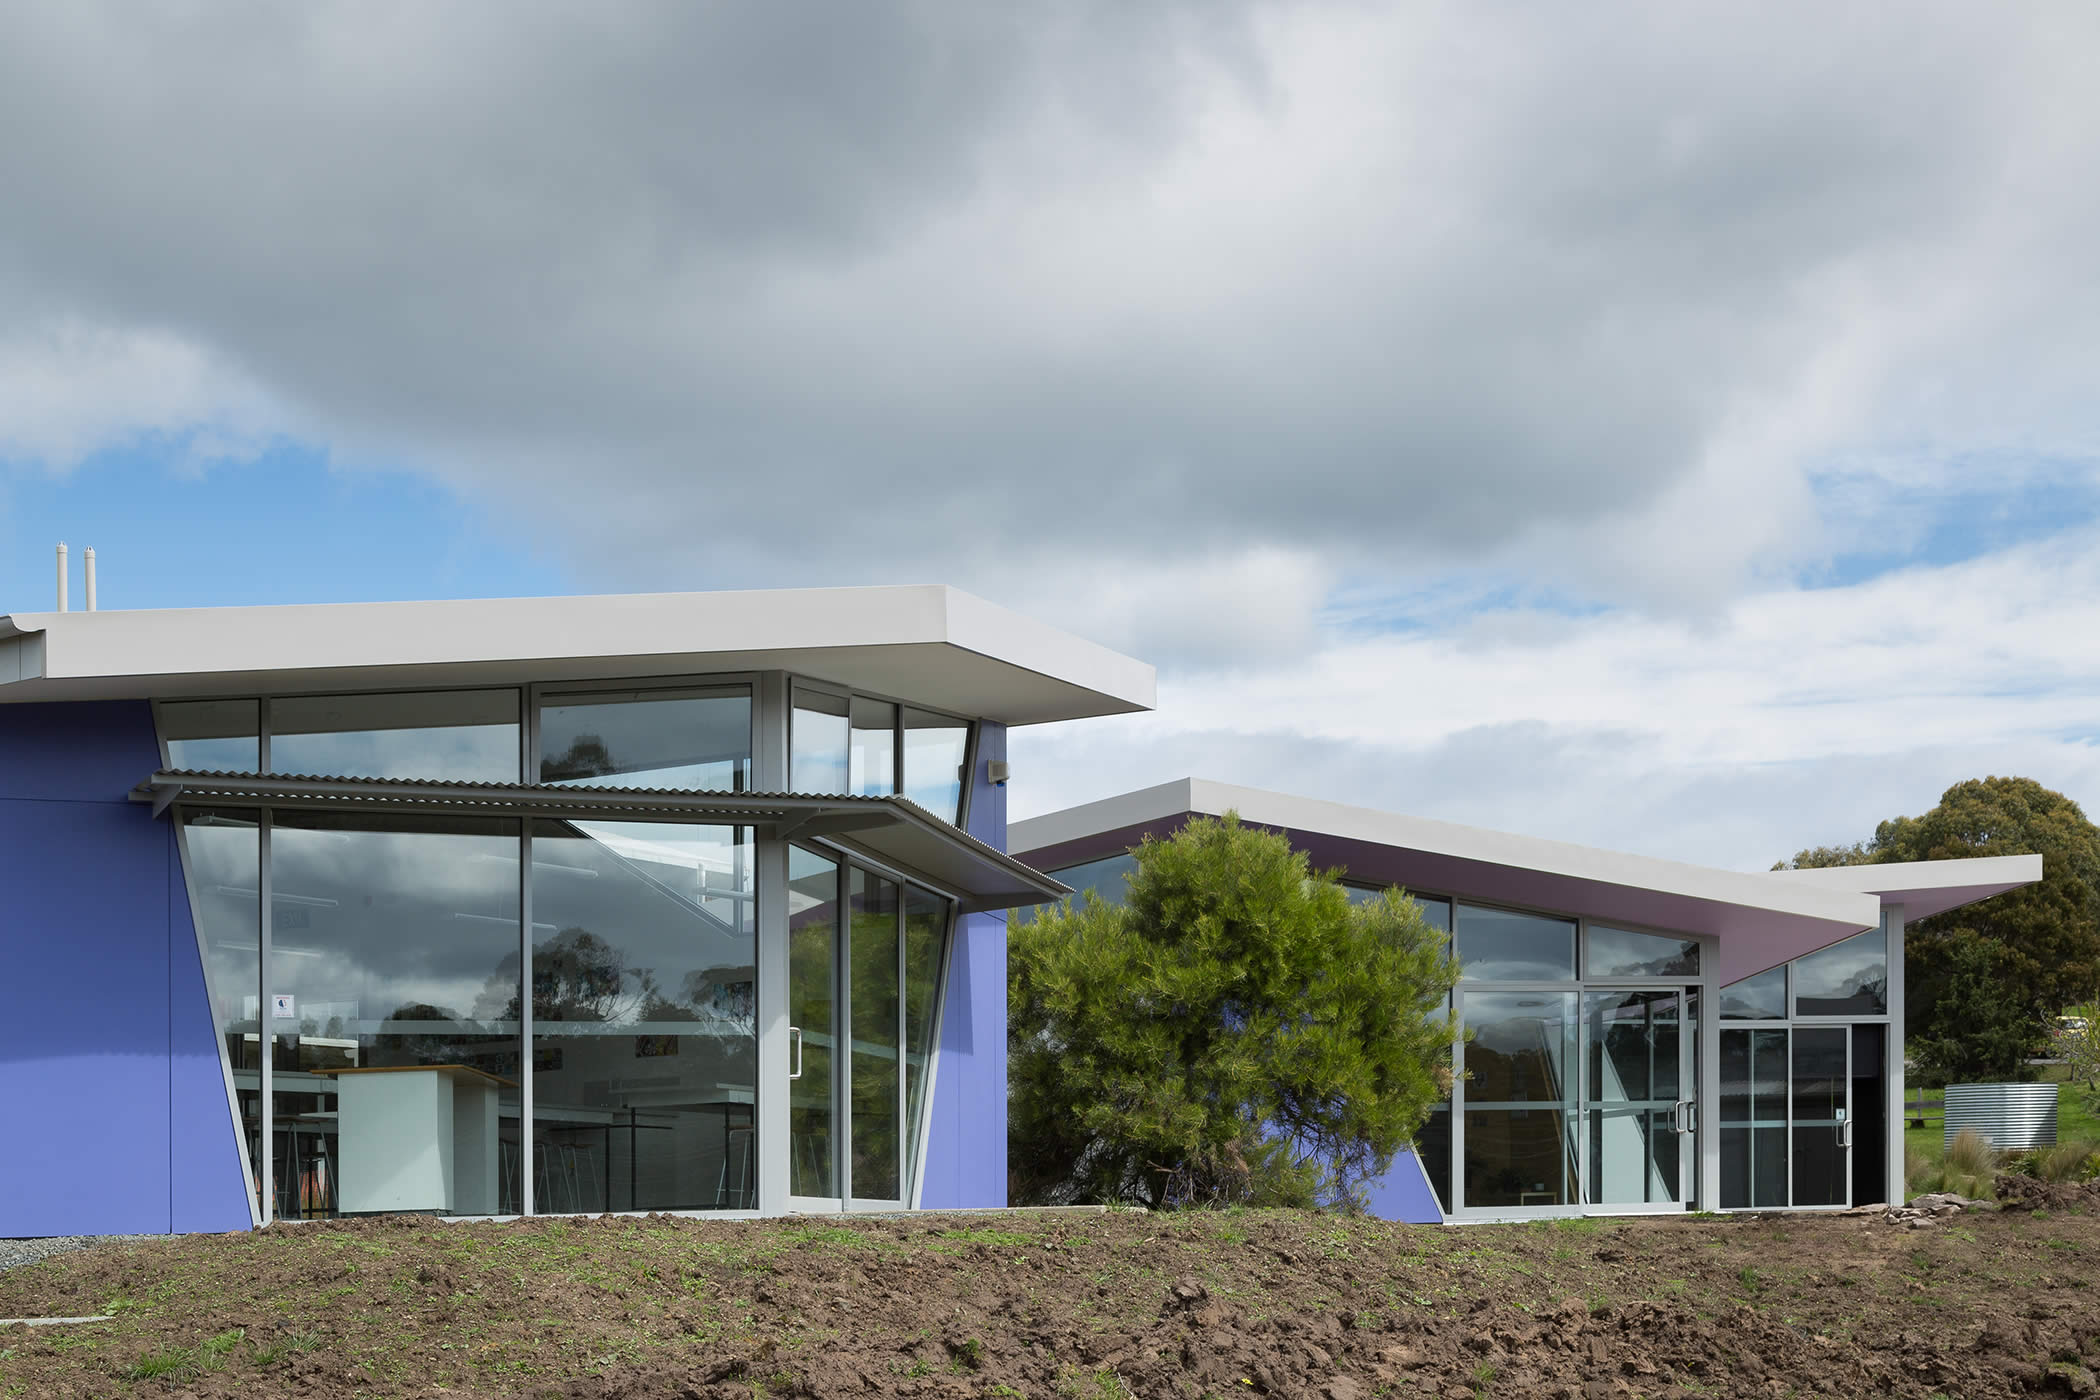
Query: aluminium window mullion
266	1018
903	1045
528	1203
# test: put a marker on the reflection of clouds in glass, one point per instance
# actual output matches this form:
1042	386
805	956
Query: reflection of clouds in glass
394	935
1854	971
621	739
644	922
481	753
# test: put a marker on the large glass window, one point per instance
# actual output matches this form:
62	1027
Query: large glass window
1846	979
1107	877
1618	952
393	1009
817	744
225	861
212	736
1759	998
1502	945
690	740
873	757
925	947
873	1013
459	735
645	1031
935	750
1519	1098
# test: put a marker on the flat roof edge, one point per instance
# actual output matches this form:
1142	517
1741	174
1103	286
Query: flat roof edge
1562	859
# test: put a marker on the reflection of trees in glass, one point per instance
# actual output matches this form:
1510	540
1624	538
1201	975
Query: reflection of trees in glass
873	953
587	757
423	1046
577	975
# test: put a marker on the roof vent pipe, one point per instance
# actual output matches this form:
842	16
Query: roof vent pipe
88	558
61	575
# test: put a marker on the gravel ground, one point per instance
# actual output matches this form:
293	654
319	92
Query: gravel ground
13	1252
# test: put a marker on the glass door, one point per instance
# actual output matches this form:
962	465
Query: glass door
1514	1127
1822	1119
874	1017
847	957
1754	1119
1637	1099
815	1104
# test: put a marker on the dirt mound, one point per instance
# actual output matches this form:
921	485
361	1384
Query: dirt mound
2032	1193
1077	1308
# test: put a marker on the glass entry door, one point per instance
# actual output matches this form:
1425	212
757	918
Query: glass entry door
1786	1117
1822	1074
1638	1091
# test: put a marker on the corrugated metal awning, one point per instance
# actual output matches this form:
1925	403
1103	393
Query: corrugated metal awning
893	831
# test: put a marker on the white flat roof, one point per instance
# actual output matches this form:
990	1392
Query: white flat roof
930	644
1761	919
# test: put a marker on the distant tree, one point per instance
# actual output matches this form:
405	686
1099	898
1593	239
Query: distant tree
2044	940
1970	1021
1235	1031
587	757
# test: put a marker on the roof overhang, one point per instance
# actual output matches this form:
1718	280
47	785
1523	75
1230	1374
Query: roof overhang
1760	920
930	645
1923	888
891	831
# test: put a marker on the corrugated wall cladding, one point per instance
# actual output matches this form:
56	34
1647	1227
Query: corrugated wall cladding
109	1068
2010	1116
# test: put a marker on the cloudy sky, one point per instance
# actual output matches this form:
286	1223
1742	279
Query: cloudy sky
1655	426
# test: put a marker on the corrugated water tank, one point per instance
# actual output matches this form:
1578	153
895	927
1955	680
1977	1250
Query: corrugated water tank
2010	1116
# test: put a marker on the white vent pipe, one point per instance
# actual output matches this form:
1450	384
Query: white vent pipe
89	559
61	575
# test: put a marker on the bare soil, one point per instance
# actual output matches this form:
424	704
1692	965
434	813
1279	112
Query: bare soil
1966	1306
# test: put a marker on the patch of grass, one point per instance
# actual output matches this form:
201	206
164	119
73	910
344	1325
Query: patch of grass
979	1234
175	1361
1748	1277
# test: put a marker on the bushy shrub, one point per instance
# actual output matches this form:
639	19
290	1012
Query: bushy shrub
1235	1032
2068	1162
1968	1168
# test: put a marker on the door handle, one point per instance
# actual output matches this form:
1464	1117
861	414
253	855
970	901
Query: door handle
1687	1113
796	1031
1844	1129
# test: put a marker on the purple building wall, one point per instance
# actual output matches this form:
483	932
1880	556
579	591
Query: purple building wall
110	1074
966	1142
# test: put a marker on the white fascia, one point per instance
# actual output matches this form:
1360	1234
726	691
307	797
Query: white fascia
1922	888
1760	919
930	644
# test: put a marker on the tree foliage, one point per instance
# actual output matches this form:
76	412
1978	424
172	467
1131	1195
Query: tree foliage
2043	942
1235	1031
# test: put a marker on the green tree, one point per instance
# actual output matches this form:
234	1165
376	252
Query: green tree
1235	1031
1968	1021
2044	940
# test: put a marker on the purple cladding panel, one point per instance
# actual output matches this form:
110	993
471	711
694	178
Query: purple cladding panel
966	1142
109	1070
1404	1194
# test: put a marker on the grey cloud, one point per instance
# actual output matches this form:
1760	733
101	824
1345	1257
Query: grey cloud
710	294
1598	789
